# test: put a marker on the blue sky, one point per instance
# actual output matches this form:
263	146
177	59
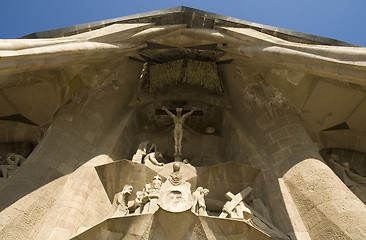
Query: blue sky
344	20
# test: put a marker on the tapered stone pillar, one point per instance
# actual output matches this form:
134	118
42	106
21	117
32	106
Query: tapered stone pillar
327	207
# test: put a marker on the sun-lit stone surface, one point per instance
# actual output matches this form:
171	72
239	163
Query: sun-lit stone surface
272	108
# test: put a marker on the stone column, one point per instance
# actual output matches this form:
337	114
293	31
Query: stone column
327	207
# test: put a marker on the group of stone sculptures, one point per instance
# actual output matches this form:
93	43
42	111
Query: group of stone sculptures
13	161
174	195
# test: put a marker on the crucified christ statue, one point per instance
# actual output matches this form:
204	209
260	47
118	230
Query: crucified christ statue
178	127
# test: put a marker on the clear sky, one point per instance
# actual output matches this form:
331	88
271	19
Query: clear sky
344	20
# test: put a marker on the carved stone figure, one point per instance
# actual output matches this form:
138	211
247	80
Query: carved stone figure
143	149
235	207
178	127
153	158
355	182
176	177
202	203
175	194
141	199
195	196
155	187
241	212
199	204
153	194
146	200
120	201
13	161
354	176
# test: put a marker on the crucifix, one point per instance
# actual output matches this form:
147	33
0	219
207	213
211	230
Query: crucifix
178	116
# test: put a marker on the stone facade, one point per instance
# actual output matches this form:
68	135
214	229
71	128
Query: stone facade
272	147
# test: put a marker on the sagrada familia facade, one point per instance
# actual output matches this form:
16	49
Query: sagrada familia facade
181	124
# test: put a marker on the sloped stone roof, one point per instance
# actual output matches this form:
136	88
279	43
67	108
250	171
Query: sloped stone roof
194	18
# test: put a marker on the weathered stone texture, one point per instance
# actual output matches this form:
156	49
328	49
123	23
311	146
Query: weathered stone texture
272	105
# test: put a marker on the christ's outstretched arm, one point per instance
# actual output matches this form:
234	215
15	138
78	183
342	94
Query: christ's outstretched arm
189	113
168	112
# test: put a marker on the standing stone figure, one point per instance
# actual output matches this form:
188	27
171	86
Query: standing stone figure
154	190
14	160
199	204
178	127
155	187
141	199
120	201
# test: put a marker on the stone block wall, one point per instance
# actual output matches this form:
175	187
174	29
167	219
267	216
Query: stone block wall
289	153
58	183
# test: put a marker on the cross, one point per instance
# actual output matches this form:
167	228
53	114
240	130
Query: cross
162	112
234	201
178	104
